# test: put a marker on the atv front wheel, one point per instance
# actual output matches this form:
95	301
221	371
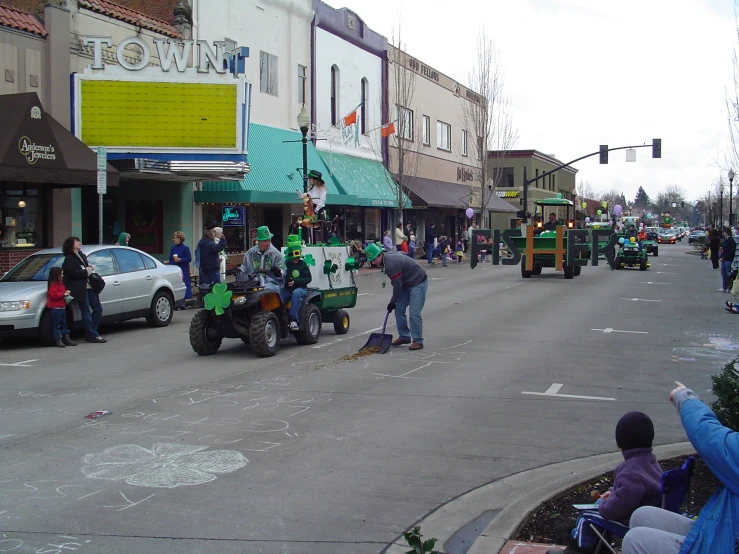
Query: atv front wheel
341	322
310	330
264	334
204	340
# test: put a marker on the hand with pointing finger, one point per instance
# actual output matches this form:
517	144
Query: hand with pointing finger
674	391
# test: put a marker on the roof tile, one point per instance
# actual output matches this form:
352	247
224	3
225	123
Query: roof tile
21	21
116	11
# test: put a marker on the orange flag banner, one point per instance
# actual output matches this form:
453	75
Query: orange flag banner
388	130
350	119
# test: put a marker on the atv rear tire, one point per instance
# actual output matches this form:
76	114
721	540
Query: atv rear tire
525	274
203	342
569	271
578	270
537	270
341	322
264	334
310	330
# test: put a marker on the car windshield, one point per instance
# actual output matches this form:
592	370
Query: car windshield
33	268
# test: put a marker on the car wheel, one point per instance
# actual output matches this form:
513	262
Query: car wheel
341	322
310	330
161	310
264	334
46	337
204	339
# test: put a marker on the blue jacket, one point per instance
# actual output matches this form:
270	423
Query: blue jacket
209	257
717	526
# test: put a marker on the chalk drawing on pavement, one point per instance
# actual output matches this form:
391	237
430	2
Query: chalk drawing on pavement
165	465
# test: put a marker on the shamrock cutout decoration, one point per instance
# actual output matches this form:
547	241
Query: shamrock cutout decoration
350	264
309	259
218	298
333	241
295	274
329	267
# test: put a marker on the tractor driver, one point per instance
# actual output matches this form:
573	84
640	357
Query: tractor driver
265	256
551	225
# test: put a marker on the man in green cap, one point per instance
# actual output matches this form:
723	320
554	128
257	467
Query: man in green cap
297	278
265	256
410	284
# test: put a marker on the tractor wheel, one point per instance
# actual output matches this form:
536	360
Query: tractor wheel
525	274
643	265
569	271
578	270
341	322
264	334
204	340
619	263
310	330
537	270
656	252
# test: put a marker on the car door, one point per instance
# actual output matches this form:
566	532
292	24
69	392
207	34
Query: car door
110	298
136	281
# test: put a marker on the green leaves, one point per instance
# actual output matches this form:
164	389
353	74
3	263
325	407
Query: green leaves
726	389
218	299
309	260
413	538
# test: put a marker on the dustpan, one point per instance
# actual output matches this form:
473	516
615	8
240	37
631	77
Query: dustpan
378	343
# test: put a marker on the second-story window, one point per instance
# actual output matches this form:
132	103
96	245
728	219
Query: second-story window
464	142
334	95
405	122
443	136
302	83
268	73
363	107
427	130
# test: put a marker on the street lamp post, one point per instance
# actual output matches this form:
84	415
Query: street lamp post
731	198
304	125
721	206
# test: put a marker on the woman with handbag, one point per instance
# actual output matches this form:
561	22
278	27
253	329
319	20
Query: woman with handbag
77	278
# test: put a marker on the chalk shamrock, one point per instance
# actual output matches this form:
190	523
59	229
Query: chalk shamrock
218	299
309	259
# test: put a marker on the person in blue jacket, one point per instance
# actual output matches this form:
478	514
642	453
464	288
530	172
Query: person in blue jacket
210	247
657	531
180	256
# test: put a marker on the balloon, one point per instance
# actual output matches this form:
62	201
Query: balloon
617	209
584	205
632	240
621	240
599	212
469	212
604	203
587	220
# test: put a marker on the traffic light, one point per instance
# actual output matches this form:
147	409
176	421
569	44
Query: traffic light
520	214
656	148
604	153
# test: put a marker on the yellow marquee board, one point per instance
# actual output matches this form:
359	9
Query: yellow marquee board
152	114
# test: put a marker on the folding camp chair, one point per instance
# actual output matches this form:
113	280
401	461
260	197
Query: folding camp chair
675	492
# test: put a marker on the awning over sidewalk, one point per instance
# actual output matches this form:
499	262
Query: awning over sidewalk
367	180
274	178
438	194
35	148
498	205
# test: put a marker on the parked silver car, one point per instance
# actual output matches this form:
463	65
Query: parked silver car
136	285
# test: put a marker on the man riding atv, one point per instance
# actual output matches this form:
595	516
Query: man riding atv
265	257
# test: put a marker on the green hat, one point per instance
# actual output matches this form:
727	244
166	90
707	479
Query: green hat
373	250
263	233
293	248
317	175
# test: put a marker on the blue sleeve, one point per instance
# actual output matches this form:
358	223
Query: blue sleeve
186	256
171	255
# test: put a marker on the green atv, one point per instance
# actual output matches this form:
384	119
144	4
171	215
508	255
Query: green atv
651	244
630	255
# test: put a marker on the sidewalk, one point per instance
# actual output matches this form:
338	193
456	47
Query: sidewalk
483	520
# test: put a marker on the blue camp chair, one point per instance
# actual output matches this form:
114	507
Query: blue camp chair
675	493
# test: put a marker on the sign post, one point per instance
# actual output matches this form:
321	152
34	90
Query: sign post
102	187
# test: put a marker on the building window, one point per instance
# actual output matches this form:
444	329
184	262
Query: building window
363	108
302	83
427	130
268	73
334	94
404	117
480	149
503	176
554	182
464	142
443	136
537	178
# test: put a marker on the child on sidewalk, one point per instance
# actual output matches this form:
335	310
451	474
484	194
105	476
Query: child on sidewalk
56	303
637	482
460	251
412	246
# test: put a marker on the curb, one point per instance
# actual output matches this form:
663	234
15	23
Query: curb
505	504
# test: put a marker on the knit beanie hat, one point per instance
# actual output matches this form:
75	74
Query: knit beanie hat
634	430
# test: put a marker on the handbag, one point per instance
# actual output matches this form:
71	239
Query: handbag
97	283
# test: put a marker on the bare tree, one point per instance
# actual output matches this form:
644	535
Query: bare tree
584	191
487	117
732	103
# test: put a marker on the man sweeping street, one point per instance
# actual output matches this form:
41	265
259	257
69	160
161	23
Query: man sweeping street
410	284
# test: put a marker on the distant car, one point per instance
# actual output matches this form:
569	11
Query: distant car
697	236
666	238
137	285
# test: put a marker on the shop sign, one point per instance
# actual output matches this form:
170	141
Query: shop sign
233	216
507	193
383	203
33	152
423	70
169	51
464	175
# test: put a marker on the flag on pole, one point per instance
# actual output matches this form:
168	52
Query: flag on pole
388	129
350	119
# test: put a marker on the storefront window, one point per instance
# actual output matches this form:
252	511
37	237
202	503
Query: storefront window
354	229
373	225
21	218
233	219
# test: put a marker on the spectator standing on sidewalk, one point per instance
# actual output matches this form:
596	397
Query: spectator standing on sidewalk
210	248
429	242
180	256
387	242
728	250
714	243
399	237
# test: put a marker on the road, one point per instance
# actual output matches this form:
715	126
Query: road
314	452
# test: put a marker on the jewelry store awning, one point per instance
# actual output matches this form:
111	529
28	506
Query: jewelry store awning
35	148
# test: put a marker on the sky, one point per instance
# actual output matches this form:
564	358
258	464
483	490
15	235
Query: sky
581	73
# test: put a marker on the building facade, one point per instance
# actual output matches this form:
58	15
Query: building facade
507	169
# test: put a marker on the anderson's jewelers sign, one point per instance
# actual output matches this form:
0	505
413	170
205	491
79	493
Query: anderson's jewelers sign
33	152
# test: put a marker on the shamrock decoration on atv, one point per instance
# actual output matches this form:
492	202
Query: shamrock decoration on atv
218	299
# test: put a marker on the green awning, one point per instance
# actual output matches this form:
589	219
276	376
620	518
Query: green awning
368	180
273	177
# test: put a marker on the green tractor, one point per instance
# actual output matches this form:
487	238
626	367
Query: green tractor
631	254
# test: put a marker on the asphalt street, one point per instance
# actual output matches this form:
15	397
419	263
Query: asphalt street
312	451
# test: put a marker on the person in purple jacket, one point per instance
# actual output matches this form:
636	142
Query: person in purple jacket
637	481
